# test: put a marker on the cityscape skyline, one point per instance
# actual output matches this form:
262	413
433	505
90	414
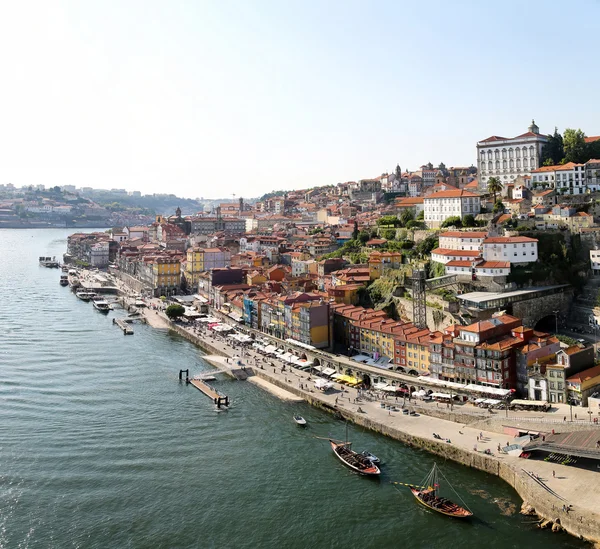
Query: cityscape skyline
252	98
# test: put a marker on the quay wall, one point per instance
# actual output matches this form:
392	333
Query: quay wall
579	522
200	342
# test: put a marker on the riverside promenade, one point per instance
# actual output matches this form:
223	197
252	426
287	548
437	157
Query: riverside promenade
547	487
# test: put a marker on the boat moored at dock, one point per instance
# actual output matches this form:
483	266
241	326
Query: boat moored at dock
100	304
49	262
64	280
85	295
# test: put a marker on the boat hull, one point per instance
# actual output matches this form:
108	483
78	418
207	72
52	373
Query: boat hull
342	452
459	512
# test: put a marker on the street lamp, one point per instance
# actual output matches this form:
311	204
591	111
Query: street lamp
571	408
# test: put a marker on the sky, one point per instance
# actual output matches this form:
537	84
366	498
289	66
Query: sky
211	99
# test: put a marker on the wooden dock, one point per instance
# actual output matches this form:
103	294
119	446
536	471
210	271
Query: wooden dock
127	329
219	399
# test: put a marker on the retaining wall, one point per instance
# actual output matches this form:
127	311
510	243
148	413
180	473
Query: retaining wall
580	523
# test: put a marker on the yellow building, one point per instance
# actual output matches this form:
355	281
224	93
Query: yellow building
348	294
580	386
255	278
166	275
379	262
194	265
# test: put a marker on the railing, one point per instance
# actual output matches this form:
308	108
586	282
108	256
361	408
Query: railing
553	421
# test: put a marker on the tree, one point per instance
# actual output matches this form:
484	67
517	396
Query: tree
554	150
355	231
388	221
407	215
469	221
174	311
424	247
389	234
498	207
363	237
494	186
452	221
575	146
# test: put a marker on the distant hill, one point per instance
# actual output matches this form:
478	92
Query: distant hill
164	204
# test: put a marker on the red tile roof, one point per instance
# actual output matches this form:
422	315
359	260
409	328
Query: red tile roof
493	138
463	234
456	193
494	265
509	240
585	375
458	253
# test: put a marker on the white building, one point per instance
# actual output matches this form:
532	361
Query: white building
507	158
301	267
479	268
440	206
462	240
514	249
99	255
216	258
592	174
595	261
567	178
444	255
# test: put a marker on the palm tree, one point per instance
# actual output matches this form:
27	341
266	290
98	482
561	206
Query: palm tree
494	186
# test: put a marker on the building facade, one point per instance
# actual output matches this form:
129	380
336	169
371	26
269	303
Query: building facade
508	158
454	203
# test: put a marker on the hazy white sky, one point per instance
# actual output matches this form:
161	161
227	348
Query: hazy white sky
213	98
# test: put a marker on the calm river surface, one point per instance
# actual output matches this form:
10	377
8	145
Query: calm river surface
102	447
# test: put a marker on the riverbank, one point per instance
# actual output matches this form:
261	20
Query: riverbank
559	485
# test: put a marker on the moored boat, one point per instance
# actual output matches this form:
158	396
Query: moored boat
300	421
428	495
100	304
64	280
357	462
85	295
372	457
49	262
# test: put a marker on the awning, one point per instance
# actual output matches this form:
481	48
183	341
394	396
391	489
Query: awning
236	316
440	395
270	349
328	371
336	376
318	368
487	390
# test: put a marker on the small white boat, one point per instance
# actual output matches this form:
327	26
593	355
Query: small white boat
300	420
371	457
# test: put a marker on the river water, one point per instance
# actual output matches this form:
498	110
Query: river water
102	447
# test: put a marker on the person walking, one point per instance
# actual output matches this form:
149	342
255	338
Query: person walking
553	474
